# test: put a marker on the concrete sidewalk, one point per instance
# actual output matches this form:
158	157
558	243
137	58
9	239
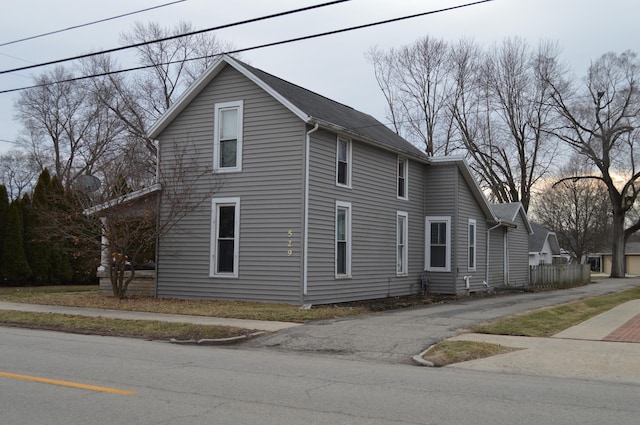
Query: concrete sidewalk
259	325
603	348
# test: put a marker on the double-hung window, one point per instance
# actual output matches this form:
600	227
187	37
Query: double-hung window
402	179
438	239
227	143
402	245
225	230
472	245
343	162
343	239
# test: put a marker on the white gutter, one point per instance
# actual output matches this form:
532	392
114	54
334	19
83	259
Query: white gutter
305	242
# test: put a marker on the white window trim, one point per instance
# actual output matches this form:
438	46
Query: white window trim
349	161
239	105
215	203
402	269
406	179
472	222
348	234
427	255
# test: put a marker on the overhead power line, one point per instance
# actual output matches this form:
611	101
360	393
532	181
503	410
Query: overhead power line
90	23
261	46
117	49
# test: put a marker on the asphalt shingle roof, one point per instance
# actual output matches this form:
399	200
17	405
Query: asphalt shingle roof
338	114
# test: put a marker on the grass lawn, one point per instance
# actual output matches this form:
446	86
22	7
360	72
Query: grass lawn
87	296
549	321
537	323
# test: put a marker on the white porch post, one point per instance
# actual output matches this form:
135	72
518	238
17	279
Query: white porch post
104	247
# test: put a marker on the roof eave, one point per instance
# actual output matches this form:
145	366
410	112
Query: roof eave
339	129
129	197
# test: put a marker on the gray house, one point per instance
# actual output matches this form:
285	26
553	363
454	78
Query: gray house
317	202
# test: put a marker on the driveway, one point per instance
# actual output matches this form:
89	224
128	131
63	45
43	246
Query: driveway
394	337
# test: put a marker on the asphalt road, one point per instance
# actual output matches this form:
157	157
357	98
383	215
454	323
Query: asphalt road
396	336
106	380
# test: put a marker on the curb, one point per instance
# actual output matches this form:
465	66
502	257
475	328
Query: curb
418	360
217	341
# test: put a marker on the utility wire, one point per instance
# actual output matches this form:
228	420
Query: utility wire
90	23
116	49
246	49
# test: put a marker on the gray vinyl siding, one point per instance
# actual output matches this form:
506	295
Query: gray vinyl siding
441	199
517	241
374	207
496	257
270	188
519	253
448	194
468	208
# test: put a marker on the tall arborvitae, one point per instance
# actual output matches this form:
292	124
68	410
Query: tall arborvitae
15	268
4	214
38	248
62	205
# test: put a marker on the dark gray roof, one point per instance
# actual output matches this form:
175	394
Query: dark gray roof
338	114
538	238
506	211
309	106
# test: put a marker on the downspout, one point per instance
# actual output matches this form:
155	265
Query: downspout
158	223
505	237
489	249
305	242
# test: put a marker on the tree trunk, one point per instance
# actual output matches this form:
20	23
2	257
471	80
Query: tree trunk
617	248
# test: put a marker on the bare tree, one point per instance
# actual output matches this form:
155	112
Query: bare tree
601	121
173	64
501	111
18	172
129	221
414	80
577	210
139	99
63	128
492	105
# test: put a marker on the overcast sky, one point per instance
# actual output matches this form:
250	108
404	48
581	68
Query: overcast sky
333	66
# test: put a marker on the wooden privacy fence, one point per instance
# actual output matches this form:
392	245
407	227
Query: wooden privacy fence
550	276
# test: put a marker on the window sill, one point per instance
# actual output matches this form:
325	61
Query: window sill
344	186
438	270
226	170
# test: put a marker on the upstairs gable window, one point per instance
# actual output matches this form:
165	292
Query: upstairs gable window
343	162
402	179
472	245
227	145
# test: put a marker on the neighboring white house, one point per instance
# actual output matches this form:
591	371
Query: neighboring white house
543	246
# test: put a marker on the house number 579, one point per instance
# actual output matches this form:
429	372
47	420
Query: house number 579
289	243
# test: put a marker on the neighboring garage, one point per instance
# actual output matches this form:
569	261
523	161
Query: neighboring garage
632	259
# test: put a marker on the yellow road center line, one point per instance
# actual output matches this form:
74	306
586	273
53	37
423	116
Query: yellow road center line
65	383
